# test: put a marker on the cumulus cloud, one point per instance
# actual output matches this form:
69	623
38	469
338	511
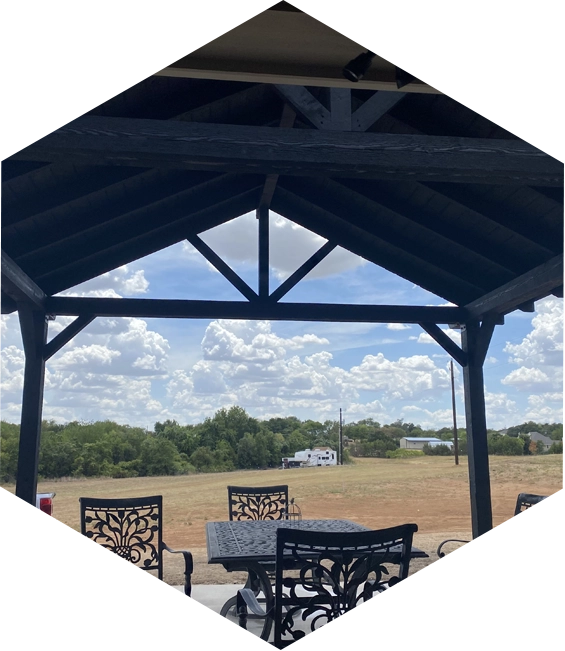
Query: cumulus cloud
539	356
545	408
402	379
248	364
290	246
398	326
424	337
106	371
113	284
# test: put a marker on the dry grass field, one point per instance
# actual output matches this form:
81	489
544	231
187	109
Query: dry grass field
378	493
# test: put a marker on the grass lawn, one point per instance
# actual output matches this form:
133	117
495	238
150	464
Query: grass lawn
430	491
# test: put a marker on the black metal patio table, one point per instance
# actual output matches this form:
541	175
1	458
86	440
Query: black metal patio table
250	546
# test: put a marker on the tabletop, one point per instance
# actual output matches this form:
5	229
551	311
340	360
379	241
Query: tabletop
256	540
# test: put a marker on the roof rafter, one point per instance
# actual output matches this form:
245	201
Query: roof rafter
117	253
533	285
19	286
414	238
372	248
456	222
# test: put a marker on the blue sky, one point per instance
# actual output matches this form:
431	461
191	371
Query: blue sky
141	371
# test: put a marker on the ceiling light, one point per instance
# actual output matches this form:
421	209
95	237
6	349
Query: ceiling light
357	67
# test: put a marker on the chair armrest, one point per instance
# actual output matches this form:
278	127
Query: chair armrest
442	554
188	567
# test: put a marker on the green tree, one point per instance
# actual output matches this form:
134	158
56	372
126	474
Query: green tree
556	448
160	457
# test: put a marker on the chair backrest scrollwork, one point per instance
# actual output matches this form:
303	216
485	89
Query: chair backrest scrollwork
337	572
258	503
131	528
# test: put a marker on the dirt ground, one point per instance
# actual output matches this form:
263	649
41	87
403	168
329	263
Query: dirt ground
378	493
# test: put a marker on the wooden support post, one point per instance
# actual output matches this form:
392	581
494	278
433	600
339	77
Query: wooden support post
34	334
263	217
475	346
340	105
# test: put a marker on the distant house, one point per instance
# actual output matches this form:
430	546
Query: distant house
418	442
311	458
536	436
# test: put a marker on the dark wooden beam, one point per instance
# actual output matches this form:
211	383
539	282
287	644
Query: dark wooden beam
83	218
172	214
340	109
473	343
483	336
287	122
264	266
184	309
119	252
302	271
374	108
445	342
533	285
66	335
226	271
244	149
374	220
517	218
19	286
373	248
34	334
8	304
421	207
303	102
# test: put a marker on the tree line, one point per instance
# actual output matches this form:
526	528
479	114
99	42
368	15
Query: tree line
229	440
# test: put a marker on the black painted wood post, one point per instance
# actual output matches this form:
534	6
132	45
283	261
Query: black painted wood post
33	325
474	344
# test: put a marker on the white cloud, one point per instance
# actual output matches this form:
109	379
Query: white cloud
545	408
113	284
403	379
539	355
429	418
398	326
290	246
454	335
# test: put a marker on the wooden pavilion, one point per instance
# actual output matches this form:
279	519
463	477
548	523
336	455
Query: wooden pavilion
262	119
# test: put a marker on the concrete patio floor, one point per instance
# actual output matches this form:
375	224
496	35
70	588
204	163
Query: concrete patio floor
213	597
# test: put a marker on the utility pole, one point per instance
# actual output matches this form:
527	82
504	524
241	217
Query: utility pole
455	441
340	438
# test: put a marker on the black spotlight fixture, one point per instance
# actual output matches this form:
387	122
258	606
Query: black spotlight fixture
357	67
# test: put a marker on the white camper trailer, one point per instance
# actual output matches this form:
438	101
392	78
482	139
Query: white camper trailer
311	458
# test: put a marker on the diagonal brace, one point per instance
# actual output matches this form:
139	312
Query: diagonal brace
226	271
436	333
374	108
302	271
66	335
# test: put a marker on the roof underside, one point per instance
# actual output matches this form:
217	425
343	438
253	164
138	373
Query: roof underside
71	211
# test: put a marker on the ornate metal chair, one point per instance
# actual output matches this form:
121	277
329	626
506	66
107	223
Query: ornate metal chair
320	576
258	503
131	528
526	501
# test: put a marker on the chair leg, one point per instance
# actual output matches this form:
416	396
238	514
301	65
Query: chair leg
189	566
241	611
